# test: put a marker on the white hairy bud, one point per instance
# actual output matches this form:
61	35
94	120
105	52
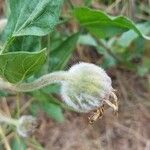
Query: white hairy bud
26	125
86	88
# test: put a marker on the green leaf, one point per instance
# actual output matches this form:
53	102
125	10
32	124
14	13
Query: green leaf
25	43
42	97
3	93
61	55
61	52
144	68
108	61
48	104
87	40
32	17
17	66
103	25
18	144
53	111
128	37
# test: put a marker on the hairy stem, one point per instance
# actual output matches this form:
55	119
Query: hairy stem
7	120
45	80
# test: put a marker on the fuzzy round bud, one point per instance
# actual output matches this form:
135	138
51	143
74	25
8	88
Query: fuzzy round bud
86	88
26	125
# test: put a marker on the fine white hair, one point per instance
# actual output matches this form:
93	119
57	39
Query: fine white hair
86	87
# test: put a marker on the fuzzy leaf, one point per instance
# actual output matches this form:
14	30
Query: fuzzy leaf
17	66
36	17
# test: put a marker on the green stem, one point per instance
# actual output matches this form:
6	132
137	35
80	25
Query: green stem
18	105
108	50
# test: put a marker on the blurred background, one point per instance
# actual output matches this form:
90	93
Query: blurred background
126	59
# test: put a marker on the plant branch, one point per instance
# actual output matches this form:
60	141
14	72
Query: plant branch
108	50
6	143
45	80
8	120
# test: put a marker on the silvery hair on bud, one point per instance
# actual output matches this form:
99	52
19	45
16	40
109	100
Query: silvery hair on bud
26	125
86	88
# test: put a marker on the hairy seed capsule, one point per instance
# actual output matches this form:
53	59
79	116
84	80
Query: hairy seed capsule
26	125
86	88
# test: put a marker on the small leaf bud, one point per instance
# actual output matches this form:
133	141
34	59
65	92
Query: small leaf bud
26	125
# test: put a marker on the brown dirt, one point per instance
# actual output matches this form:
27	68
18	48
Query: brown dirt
1	7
